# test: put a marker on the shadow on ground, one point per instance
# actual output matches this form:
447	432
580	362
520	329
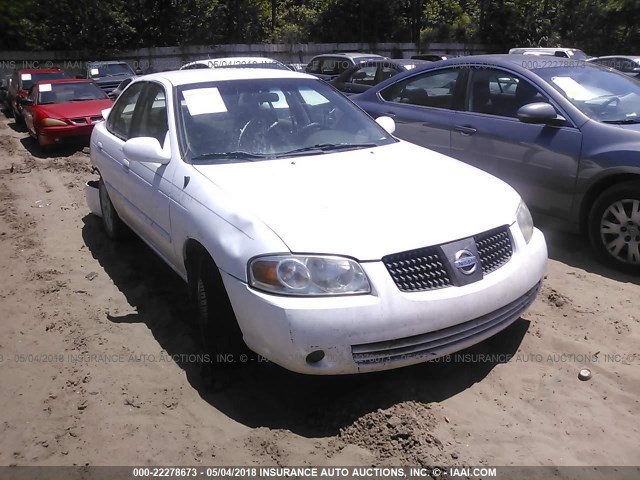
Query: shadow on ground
55	151
313	406
574	250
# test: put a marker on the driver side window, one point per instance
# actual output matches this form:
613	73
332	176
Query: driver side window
150	119
121	117
498	92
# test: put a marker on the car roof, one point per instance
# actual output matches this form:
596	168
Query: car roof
39	70
498	59
630	57
186	77
351	55
207	61
64	80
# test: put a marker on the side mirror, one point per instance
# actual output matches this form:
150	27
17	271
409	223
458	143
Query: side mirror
387	123
25	101
540	112
145	149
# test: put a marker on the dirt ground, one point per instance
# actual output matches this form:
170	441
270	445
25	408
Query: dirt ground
99	361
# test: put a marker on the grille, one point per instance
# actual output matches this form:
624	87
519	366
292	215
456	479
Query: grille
418	270
79	121
96	119
445	341
108	87
425	268
494	248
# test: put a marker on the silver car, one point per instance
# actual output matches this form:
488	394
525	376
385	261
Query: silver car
564	133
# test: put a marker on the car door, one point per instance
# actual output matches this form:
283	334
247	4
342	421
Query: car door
152	182
114	166
28	110
423	107
539	161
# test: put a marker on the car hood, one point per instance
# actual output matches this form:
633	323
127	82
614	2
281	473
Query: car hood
368	203
88	108
632	126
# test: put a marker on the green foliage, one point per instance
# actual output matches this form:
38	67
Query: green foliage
596	26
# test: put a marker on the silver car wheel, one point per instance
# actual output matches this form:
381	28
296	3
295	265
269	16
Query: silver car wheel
620	230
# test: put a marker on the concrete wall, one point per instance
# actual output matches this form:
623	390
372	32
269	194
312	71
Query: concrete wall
170	58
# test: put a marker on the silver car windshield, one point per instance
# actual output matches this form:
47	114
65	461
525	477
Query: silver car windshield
248	120
601	94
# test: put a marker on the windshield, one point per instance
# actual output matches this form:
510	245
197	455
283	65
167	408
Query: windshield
109	70
248	120
49	93
601	94
28	79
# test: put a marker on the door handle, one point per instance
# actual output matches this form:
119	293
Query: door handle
99	144
125	164
464	130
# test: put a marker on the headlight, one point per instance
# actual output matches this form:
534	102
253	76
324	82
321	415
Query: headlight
308	275
52	122
525	222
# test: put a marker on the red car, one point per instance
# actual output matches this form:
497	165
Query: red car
63	109
22	82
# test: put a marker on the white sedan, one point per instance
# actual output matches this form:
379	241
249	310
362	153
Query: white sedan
304	229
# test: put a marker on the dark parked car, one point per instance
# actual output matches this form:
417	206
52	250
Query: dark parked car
114	94
108	75
329	65
5	81
365	75
21	83
566	135
629	65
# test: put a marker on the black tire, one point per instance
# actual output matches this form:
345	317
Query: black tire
17	117
219	331
113	225
614	226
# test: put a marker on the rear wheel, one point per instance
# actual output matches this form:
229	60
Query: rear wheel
614	226
113	225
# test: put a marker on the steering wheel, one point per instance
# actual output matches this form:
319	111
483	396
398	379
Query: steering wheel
256	135
615	101
309	129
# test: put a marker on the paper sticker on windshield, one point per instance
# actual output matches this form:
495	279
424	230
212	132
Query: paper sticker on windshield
573	89
94	72
26	76
204	100
45	87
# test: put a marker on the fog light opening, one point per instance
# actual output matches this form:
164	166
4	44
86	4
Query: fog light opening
315	357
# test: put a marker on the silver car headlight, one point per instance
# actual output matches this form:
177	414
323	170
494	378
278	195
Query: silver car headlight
525	222
308	275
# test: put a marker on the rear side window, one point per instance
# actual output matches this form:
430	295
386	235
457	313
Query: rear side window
429	89
120	118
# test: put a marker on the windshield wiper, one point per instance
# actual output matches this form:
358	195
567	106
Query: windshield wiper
83	99
625	121
327	147
237	155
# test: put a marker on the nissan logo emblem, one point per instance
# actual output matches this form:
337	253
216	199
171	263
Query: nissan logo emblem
466	262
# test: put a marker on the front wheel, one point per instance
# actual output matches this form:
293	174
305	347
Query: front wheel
113	225
219	330
614	226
